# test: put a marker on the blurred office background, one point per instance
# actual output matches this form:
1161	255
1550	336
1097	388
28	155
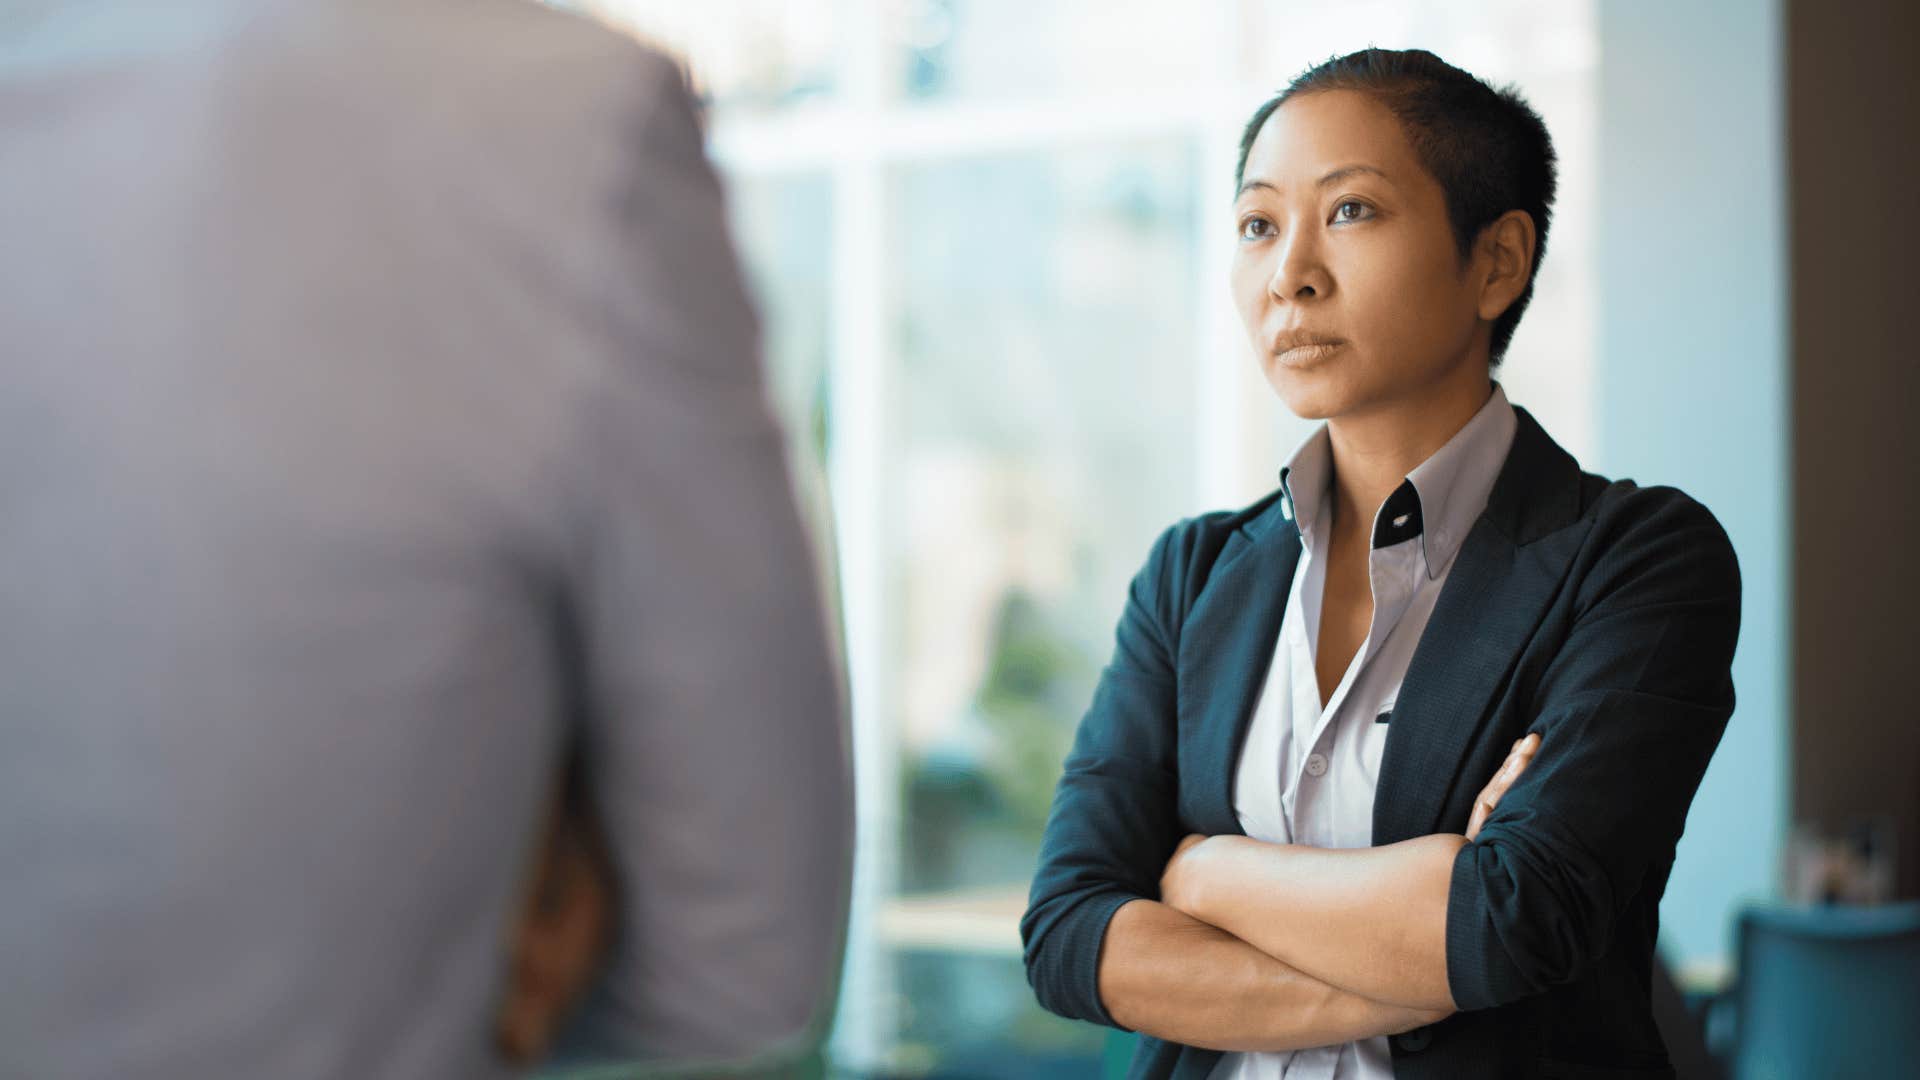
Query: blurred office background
991	240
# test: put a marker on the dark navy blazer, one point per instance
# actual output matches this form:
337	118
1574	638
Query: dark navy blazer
1601	614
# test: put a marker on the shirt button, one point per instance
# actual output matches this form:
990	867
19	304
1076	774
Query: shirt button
1316	764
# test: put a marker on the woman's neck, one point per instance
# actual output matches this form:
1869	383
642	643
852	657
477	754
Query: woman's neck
1374	451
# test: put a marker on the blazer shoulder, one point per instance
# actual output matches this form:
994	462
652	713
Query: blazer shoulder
516	79
1662	530
1624	506
509	34
1186	553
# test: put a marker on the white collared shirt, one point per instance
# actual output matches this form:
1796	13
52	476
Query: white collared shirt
1306	774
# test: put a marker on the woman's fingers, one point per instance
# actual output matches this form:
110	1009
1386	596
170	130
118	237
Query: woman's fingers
1510	769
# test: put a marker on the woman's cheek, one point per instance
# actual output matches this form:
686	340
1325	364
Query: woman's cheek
1249	289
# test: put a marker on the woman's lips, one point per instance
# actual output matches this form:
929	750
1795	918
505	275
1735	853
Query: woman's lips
1308	355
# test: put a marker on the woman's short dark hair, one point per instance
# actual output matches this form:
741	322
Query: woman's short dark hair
1487	147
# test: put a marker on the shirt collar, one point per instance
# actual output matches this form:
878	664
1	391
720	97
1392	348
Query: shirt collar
1439	502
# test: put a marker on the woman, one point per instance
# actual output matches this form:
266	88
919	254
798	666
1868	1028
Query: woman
1297	831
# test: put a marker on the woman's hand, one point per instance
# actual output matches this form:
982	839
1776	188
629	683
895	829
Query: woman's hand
1182	882
1510	770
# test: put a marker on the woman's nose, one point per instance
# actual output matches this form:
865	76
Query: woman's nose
1298	273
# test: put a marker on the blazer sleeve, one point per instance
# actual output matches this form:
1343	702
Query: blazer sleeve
1114	820
1630	711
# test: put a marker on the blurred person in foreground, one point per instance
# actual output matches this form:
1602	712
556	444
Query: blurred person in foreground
383	438
1386	774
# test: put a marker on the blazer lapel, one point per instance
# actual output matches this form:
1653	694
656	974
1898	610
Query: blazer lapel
1500	586
1226	646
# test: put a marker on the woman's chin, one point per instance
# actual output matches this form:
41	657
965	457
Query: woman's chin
1309	395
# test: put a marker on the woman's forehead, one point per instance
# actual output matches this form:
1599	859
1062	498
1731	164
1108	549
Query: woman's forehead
1318	133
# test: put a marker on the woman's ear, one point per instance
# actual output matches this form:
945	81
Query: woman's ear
1506	249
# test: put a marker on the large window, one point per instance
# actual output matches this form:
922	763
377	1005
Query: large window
991	238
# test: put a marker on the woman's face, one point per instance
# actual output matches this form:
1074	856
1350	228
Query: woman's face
1344	240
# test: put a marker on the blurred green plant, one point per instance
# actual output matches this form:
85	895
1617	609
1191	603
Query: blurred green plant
1036	683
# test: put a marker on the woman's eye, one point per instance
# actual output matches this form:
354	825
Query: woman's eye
1359	211
1254	228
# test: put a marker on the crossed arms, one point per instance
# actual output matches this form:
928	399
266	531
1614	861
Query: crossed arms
1257	946
1227	943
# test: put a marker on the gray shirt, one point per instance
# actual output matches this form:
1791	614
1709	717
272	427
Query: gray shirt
380	414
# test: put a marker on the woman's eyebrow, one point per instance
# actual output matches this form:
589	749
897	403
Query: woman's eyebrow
1334	177
1345	171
